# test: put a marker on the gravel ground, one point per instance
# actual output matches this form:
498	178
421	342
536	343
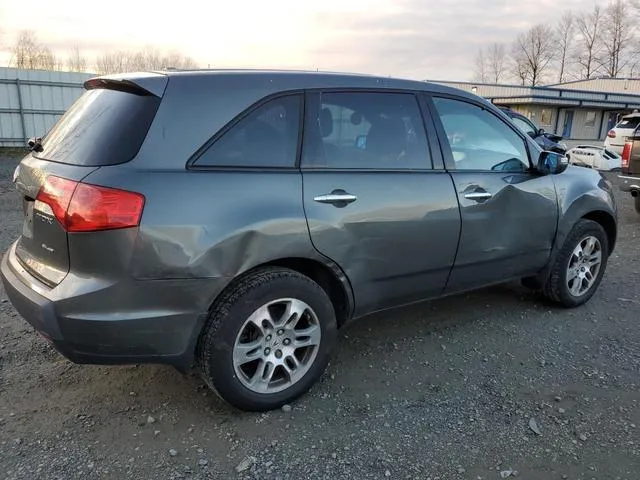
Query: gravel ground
494	384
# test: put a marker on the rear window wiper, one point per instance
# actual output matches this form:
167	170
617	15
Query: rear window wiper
35	143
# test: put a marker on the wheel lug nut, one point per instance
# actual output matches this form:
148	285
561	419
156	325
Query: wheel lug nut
267	351
268	338
286	341
278	353
280	332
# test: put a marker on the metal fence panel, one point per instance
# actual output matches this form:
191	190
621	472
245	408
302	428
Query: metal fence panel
31	101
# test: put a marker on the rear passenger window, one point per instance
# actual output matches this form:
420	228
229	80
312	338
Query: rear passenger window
266	137
365	130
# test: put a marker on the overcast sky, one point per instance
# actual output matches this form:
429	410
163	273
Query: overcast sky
435	39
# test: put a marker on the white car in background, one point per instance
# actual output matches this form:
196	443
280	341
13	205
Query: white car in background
623	129
592	156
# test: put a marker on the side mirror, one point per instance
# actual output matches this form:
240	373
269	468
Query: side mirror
552	163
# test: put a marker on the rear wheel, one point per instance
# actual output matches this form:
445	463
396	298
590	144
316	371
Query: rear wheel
579	265
268	339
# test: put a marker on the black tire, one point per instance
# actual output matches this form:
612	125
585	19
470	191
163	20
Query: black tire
556	288
636	202
214	355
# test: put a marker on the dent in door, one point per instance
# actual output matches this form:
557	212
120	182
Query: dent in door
510	232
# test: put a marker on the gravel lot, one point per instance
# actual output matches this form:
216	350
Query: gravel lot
495	384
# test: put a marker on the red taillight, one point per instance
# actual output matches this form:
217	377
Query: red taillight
611	134
54	197
626	155
80	207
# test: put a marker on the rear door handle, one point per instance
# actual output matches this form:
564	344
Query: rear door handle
338	198
478	196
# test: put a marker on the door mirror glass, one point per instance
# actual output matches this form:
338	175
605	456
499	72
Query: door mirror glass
541	132
552	162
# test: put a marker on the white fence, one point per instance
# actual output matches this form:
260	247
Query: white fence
31	101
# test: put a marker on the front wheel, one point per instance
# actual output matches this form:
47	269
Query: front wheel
579	265
267	340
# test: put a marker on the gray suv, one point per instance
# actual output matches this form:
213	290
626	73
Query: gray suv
232	221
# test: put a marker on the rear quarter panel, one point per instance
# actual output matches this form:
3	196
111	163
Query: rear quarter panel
214	225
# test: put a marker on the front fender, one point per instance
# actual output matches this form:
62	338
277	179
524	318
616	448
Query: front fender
582	193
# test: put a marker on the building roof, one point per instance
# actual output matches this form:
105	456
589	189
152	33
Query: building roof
556	95
603	84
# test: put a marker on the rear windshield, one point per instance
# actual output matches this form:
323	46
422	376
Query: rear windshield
629	122
103	127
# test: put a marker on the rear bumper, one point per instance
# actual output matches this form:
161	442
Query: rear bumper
140	322
629	183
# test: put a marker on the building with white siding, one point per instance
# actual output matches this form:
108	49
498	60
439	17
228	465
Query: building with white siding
582	111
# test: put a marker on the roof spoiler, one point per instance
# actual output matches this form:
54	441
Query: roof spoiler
135	83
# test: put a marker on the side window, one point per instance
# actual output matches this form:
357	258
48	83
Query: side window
365	130
266	137
479	140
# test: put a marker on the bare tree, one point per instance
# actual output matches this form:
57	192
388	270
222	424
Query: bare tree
29	53
112	62
496	62
633	65
520	68
177	60
480	74
147	59
589	26
565	35
616	37
533	53
76	61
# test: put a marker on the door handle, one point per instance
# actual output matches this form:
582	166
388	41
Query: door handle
337	198
478	196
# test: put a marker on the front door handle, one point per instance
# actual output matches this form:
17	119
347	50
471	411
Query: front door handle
338	198
478	196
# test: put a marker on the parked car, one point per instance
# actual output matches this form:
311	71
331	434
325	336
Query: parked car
592	156
232	221
546	140
631	168
617	136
